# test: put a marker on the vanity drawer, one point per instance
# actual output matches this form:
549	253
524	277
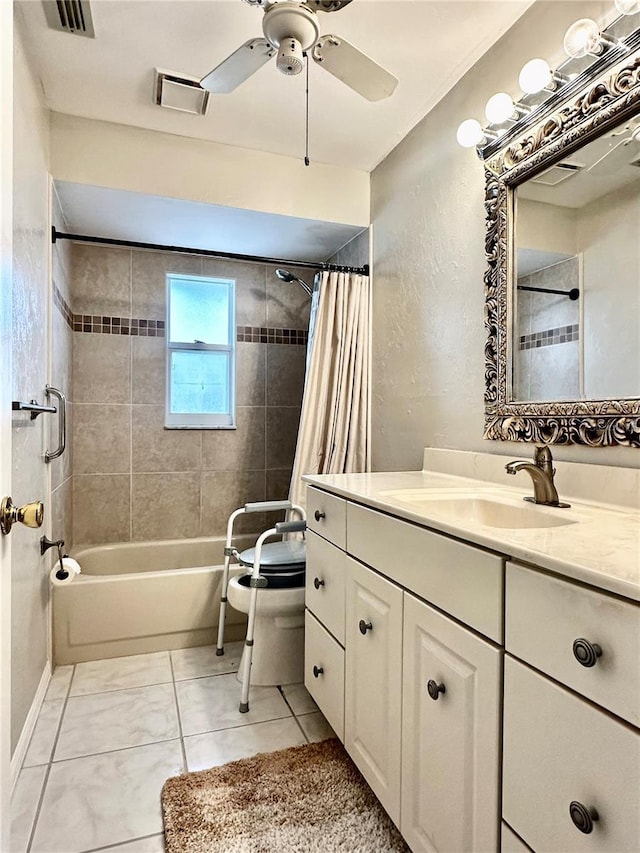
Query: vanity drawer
326	515
325	583
460	579
546	615
327	687
559	750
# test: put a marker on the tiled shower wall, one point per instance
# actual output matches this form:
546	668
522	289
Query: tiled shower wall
547	358
132	478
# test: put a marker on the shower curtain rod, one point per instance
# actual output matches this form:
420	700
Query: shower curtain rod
573	294
184	250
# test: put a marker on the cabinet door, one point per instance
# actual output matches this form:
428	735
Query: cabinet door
373	681
450	735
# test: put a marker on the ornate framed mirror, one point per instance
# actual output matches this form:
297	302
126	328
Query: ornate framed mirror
562	287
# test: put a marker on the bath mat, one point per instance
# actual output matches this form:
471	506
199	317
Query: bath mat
306	799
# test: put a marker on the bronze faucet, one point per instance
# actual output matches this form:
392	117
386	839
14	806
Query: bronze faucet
541	472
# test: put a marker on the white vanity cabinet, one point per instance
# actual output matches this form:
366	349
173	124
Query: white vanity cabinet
450	734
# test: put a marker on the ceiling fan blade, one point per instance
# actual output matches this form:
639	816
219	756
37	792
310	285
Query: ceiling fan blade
238	67
614	160
356	69
327	5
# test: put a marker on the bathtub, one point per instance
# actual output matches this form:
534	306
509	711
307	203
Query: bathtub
139	597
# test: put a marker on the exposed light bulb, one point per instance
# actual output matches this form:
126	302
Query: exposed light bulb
470	133
499	108
582	38
627	7
535	76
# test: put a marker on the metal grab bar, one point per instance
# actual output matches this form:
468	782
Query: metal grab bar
33	406
62	423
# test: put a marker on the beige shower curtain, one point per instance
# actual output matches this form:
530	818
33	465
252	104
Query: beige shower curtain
333	437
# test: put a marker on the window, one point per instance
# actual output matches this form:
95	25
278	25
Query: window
200	352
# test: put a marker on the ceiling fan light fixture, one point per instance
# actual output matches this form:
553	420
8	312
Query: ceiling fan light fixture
290	60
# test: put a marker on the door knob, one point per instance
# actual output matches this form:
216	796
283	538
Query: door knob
319	515
364	626
31	515
318	582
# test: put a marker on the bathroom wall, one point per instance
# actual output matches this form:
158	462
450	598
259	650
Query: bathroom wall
30	586
608	231
132	478
355	253
427	211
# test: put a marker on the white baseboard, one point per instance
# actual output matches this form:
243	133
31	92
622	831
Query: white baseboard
18	756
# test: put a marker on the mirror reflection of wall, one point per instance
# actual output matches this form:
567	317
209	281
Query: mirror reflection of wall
547	344
578	225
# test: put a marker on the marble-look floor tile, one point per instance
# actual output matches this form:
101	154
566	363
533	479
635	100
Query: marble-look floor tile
119	673
24	804
211	704
315	727
116	720
59	684
105	799
152	844
299	698
214	748
44	734
201	661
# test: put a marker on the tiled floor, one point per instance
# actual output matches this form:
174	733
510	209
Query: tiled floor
112	731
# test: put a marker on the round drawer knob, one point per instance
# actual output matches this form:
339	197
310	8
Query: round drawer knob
364	626
582	816
317	671
434	689
318	583
318	515
586	653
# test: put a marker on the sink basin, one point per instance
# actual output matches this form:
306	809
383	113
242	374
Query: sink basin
483	509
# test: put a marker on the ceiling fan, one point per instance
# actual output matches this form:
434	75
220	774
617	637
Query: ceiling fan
622	154
291	30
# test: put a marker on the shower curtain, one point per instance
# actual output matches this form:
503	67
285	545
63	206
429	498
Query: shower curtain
333	436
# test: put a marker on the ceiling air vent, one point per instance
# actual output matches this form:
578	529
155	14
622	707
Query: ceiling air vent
556	174
69	16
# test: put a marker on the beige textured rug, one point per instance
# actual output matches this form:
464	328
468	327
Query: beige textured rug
306	799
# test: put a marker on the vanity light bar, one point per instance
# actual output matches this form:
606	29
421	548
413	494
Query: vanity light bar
508	118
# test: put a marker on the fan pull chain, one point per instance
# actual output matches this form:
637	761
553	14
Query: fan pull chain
306	125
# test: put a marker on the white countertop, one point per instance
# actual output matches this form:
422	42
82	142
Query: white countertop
601	548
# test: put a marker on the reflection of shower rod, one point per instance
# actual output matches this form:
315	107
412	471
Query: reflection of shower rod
573	294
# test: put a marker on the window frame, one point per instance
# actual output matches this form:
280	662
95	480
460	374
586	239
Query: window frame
202	420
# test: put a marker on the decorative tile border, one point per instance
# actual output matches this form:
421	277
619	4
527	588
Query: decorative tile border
61	304
268	335
102	325
561	335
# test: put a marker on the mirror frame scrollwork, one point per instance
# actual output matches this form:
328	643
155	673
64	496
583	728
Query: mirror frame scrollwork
601	104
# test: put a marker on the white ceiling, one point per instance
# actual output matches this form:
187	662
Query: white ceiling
427	45
101	212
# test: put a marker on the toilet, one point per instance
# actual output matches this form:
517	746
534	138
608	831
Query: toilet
278	650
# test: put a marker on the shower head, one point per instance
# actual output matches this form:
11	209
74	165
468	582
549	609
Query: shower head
285	275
